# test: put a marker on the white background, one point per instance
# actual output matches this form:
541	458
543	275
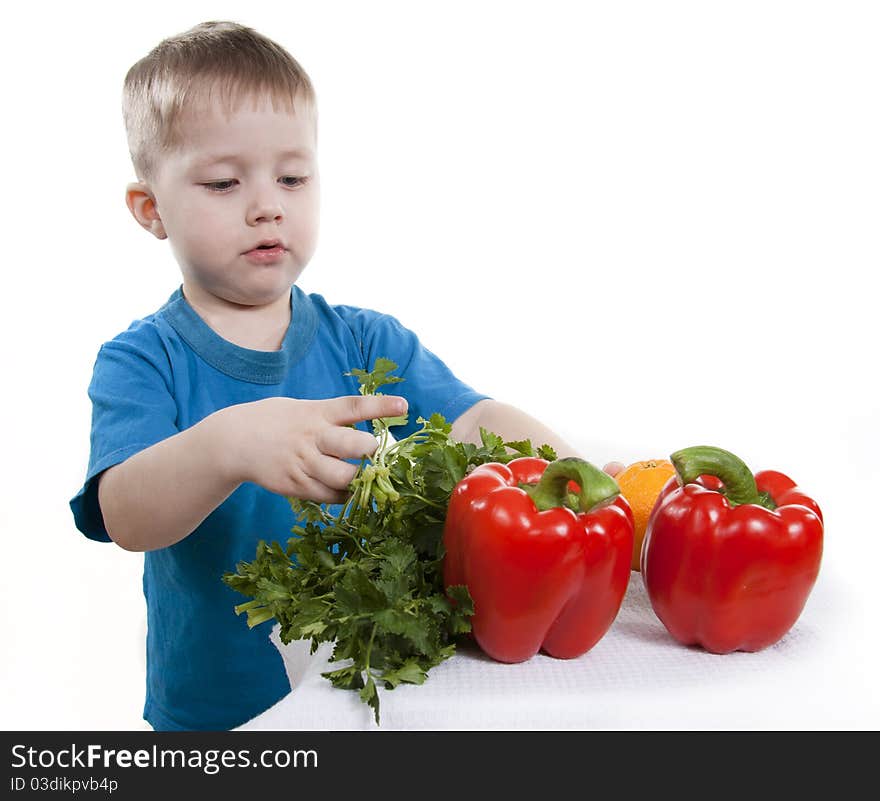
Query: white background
651	225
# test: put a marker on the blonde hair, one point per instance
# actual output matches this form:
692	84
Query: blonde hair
221	61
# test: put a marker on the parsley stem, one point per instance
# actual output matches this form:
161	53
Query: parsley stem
415	436
425	500
354	494
359	544
379	455
369	648
343	513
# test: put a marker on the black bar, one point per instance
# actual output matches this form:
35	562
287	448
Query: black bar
408	764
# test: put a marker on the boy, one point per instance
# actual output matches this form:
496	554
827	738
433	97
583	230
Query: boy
233	394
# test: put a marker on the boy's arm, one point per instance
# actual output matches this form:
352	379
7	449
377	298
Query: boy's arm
513	424
292	447
161	494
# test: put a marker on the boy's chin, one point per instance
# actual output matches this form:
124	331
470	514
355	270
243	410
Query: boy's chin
255	290
247	297
263	298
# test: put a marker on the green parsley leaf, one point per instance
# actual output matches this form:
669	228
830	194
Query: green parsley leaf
546	452
370	381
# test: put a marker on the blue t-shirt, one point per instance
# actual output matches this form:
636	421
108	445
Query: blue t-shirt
205	669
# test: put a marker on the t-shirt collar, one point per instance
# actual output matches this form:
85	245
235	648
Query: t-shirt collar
255	366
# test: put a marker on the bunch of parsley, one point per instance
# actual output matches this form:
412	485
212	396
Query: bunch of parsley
370	577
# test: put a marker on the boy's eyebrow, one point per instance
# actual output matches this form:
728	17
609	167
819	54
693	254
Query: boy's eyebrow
234	158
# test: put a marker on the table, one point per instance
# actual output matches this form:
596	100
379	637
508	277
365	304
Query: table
635	677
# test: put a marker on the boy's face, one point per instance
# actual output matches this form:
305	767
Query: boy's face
235	184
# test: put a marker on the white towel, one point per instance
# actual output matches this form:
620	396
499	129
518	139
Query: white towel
635	677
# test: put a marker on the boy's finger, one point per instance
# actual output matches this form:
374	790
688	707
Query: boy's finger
356	408
346	443
319	493
333	474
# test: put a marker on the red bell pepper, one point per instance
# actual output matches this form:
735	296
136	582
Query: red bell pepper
729	558
541	575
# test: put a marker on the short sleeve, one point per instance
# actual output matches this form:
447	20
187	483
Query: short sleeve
429	385
132	409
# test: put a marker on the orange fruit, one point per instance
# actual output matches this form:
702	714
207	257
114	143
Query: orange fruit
640	484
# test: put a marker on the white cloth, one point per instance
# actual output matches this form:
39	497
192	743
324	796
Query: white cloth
635	677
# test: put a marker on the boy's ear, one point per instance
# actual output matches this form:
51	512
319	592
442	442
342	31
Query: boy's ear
142	204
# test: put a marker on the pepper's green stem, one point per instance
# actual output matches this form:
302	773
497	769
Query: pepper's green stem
739	483
597	487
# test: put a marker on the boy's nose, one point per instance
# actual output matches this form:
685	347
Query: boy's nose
265	212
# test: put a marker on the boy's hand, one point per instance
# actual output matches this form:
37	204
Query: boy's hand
296	447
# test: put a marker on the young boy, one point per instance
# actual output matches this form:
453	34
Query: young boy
208	412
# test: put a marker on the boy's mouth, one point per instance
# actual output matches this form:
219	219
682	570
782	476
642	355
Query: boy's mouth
268	244
266	251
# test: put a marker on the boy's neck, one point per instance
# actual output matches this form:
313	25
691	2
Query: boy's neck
252	327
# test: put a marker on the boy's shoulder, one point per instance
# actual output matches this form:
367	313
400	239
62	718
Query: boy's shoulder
346	311
360	319
149	341
151	329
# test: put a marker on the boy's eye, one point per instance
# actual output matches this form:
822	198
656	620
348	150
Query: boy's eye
292	180
220	186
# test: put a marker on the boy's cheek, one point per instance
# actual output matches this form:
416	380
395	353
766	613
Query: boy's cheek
200	226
